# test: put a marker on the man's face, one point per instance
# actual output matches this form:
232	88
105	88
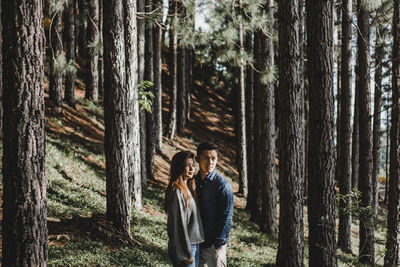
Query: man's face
207	161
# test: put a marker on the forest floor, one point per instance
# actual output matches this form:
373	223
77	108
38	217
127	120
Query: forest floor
79	234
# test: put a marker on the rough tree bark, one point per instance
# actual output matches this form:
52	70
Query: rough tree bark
344	160
92	76
367	250
291	138
70	51
321	192
392	257
131	46
24	225
118	109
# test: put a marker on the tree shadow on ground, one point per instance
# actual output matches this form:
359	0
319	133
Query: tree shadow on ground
98	228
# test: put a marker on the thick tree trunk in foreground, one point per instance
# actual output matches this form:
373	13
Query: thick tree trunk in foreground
321	192
118	109
344	160
70	49
24	226
392	257
291	137
92	82
367	250
55	87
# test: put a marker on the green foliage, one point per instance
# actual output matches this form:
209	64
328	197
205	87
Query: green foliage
96	47
57	6
145	95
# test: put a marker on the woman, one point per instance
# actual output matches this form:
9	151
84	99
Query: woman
185	230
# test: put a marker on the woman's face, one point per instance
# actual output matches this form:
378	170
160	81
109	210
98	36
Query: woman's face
188	171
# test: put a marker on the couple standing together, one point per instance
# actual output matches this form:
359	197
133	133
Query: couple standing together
199	209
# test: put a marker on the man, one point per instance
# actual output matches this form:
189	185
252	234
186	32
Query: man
216	207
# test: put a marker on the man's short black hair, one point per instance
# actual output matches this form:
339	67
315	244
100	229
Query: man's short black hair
206	146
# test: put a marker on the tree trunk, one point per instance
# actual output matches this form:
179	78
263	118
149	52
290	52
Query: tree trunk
70	51
118	109
82	28
254	199
387	155
101	61
173	55
24	225
1	77
355	144
379	54
92	82
141	27
302	51
321	192
182	91
241	119
344	160
291	158
392	257
250	124
267	219
157	80
365	167
55	87
133	138
149	76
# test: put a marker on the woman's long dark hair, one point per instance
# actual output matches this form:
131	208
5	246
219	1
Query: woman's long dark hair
176	181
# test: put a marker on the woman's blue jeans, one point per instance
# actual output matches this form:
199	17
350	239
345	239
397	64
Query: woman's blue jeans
196	255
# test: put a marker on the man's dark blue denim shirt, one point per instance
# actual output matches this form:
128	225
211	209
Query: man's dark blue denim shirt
216	208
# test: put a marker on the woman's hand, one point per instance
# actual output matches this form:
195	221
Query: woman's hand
188	261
